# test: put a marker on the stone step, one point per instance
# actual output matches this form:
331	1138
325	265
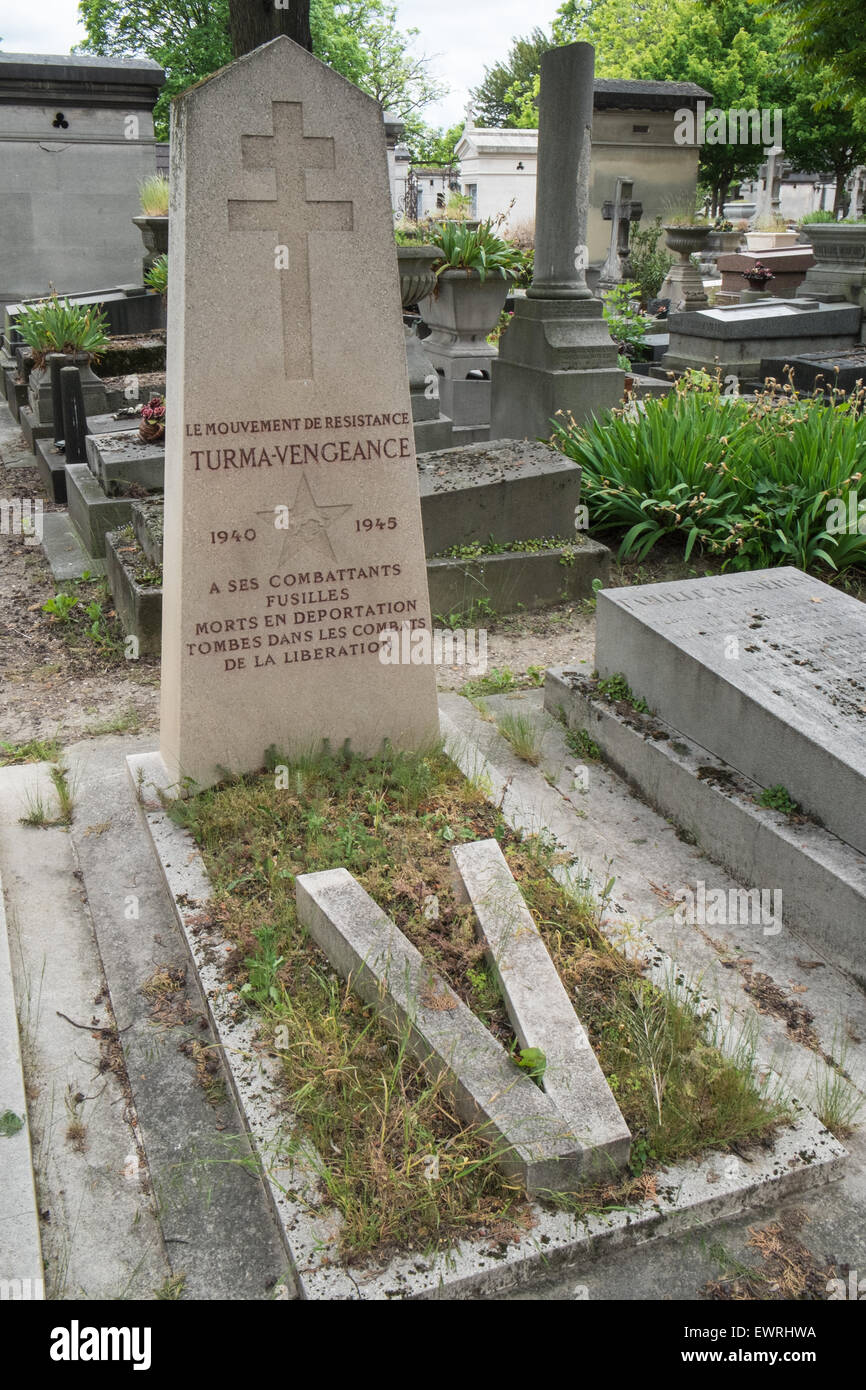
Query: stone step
147	523
124	457
820	881
91	512
64	550
138	605
504	490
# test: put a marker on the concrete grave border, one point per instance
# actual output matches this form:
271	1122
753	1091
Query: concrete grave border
688	1195
822	879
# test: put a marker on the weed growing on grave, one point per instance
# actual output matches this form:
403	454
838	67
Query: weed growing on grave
837	1103
616	687
36	750
65	794
580	743
380	1126
85	618
497	680
778	798
523	734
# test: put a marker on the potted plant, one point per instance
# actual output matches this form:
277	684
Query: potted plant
625	366
152	427
473	270
153	222
55	325
686	231
770	233
757	277
725	236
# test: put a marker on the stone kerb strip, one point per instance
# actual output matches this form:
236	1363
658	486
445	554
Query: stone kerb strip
530	1136
539	1007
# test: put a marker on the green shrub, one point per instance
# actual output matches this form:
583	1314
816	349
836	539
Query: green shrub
55	325
750	482
157	277
650	263
623	317
823	215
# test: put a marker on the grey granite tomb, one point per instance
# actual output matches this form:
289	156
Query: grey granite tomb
765	670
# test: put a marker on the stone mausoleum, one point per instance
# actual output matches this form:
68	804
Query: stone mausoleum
76	139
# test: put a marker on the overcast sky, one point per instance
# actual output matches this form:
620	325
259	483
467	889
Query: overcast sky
461	36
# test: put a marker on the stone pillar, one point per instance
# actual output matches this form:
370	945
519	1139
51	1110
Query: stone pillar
74	418
557	355
54	361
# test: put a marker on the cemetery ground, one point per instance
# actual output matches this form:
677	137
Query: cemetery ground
145	1174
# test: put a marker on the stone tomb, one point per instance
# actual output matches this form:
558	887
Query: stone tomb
292	517
764	669
739	338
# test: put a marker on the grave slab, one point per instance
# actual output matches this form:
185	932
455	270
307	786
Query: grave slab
91	512
517	579
532	1139
63	549
787	708
293	523
539	1007
737	337
507	490
139	606
124	457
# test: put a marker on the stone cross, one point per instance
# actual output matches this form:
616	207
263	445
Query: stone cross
293	539
770	187
620	211
289	153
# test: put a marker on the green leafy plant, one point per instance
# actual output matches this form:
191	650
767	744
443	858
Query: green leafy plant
157	277
820	215
60	607
476	249
778	798
56	325
153	195
649	261
616	687
624	319
746	481
532	1060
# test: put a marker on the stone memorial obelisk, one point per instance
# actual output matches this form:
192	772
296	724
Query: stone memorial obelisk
557	354
292	517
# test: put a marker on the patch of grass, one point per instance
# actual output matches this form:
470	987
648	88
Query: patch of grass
65	795
778	798
127	722
37	811
837	1103
497	680
36	750
523	734
476	612
85	618
381	1127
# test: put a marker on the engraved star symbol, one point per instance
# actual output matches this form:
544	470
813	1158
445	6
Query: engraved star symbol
308	521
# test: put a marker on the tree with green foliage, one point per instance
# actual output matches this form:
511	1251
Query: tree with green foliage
435	146
190	39
833	34
498	100
728	47
819	135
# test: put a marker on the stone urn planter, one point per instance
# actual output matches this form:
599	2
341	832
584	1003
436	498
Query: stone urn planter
770	241
463	309
415	267
840	261
154	234
683	285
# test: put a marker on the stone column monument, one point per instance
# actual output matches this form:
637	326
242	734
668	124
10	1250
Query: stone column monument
557	354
